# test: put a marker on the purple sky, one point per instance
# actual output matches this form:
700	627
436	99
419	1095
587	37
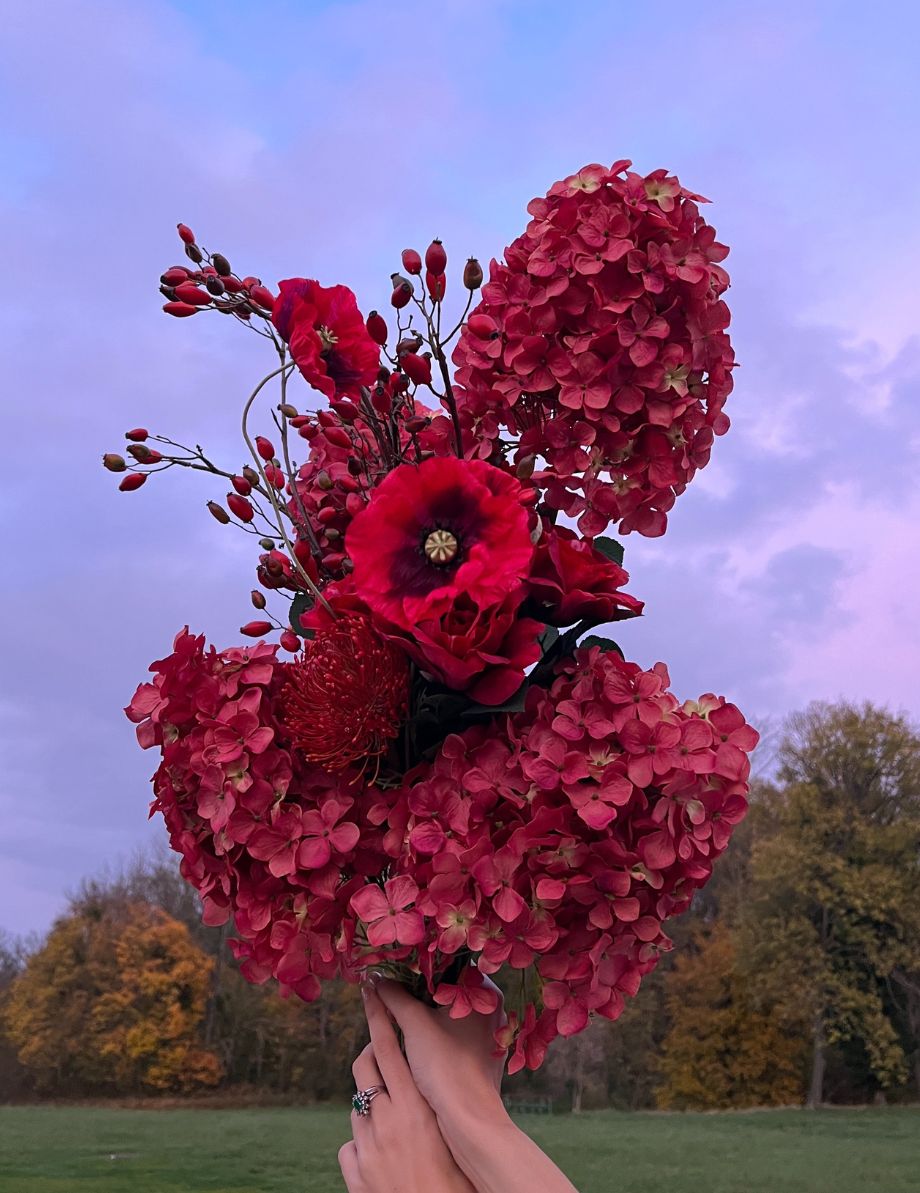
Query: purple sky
322	138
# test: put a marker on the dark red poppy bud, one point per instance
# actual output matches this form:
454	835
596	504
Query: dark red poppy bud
217	511
436	257
304	556
417	368
256	629
409	343
137	435
251	475
412	262
483	327
114	462
257	598
525	467
437	284
186	235
399	383
189	292
347	411
168	293
338	436
308	431
402	290
131	481
262	296
215	286
242	485
233	285
193	252
264	448
144	454
275	476
418	422
381	400
472	274
301	420
377	328
180	309
221	264
241	507
288	410
174	275
290	641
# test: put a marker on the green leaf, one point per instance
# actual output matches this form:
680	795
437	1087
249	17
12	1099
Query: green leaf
605	644
548	638
302	603
611	548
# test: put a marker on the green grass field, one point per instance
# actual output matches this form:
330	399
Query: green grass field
85	1150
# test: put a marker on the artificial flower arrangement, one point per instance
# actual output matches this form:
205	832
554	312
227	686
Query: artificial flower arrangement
446	774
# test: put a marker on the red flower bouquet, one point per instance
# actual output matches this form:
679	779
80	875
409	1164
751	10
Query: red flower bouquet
446	775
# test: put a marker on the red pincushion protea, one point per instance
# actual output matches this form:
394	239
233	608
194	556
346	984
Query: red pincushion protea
346	698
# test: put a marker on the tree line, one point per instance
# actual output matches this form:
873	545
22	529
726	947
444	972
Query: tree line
795	977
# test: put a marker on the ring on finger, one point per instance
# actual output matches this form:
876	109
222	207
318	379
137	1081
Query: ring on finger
362	1098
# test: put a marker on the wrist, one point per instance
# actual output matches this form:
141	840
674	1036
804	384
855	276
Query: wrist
472	1133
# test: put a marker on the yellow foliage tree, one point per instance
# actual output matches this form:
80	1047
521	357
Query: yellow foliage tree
113	1002
720	1051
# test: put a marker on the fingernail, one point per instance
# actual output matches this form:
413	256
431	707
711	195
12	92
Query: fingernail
369	981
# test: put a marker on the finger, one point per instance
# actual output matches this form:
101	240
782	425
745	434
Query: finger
365	1069
409	1013
348	1163
392	1064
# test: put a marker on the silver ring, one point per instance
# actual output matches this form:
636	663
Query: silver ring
361	1101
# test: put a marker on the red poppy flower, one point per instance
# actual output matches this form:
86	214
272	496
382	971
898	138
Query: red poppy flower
572	581
433	531
327	336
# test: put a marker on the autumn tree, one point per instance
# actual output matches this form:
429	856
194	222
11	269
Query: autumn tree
720	1050
113	1002
833	929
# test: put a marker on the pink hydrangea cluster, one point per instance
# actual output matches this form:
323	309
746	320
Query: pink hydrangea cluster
601	344
566	842
265	839
557	840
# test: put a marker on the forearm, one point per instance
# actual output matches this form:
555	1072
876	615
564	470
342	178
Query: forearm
498	1157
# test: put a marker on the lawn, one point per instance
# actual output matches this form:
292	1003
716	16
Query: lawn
85	1150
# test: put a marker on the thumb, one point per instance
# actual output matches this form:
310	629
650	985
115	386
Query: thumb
410	1014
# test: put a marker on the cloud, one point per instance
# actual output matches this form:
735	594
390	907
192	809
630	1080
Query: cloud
324	138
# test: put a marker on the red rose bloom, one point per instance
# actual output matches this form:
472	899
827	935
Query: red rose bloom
433	531
482	651
572	581
327	336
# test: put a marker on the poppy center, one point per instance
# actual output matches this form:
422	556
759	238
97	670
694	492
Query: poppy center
327	338
441	547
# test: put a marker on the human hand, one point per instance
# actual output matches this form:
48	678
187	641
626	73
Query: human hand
455	1063
397	1147
457	1069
